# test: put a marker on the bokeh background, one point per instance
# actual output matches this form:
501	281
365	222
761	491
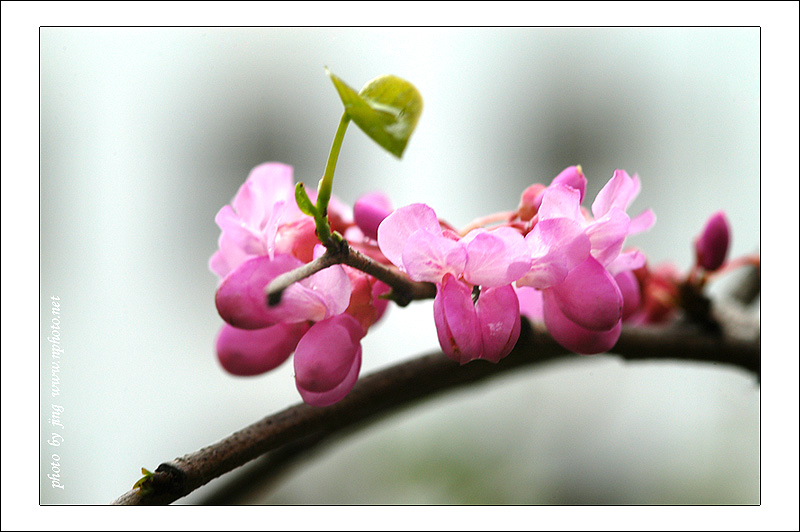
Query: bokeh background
147	132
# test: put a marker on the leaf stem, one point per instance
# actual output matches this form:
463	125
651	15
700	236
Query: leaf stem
326	183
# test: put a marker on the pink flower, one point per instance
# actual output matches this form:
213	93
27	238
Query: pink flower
487	329
321	318
412	239
264	220
577	259
711	247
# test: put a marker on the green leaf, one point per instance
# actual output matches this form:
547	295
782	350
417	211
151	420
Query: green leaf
303	201
387	109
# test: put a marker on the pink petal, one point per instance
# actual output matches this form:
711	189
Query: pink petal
267	184
557	245
642	222
370	210
239	233
561	201
620	191
428	257
608	234
495	258
456	320
326	353
628	260
631	294
498	315
338	393
571	335
324	294
530	303
245	353
395	230
573	177
589	296
240	297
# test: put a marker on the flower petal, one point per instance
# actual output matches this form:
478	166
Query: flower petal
325	354
620	191
530	303
589	296
339	392
456	320
608	234
495	258
395	230
370	210
498	315
240	297
571	335
428	257
252	352
561	201
557	245
642	222
573	177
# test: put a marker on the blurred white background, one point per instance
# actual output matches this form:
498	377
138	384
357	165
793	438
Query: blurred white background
146	133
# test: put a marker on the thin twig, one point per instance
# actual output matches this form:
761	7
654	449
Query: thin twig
402	385
404	290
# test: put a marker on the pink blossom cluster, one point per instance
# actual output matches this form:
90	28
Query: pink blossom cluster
321	319
550	260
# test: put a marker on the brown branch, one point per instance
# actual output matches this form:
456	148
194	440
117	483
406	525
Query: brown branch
404	290
397	387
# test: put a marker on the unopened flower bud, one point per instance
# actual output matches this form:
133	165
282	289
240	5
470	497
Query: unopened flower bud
530	201
711	247
369	211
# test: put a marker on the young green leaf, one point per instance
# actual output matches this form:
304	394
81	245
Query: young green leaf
387	109
303	201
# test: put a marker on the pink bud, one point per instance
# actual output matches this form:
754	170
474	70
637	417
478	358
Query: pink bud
530	201
252	352
711	247
369	211
573	177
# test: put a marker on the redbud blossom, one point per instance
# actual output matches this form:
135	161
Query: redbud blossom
575	258
711	247
487	329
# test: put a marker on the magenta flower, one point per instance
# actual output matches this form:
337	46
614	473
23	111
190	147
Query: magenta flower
711	247
412	239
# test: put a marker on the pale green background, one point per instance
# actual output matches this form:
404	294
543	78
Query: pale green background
146	133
